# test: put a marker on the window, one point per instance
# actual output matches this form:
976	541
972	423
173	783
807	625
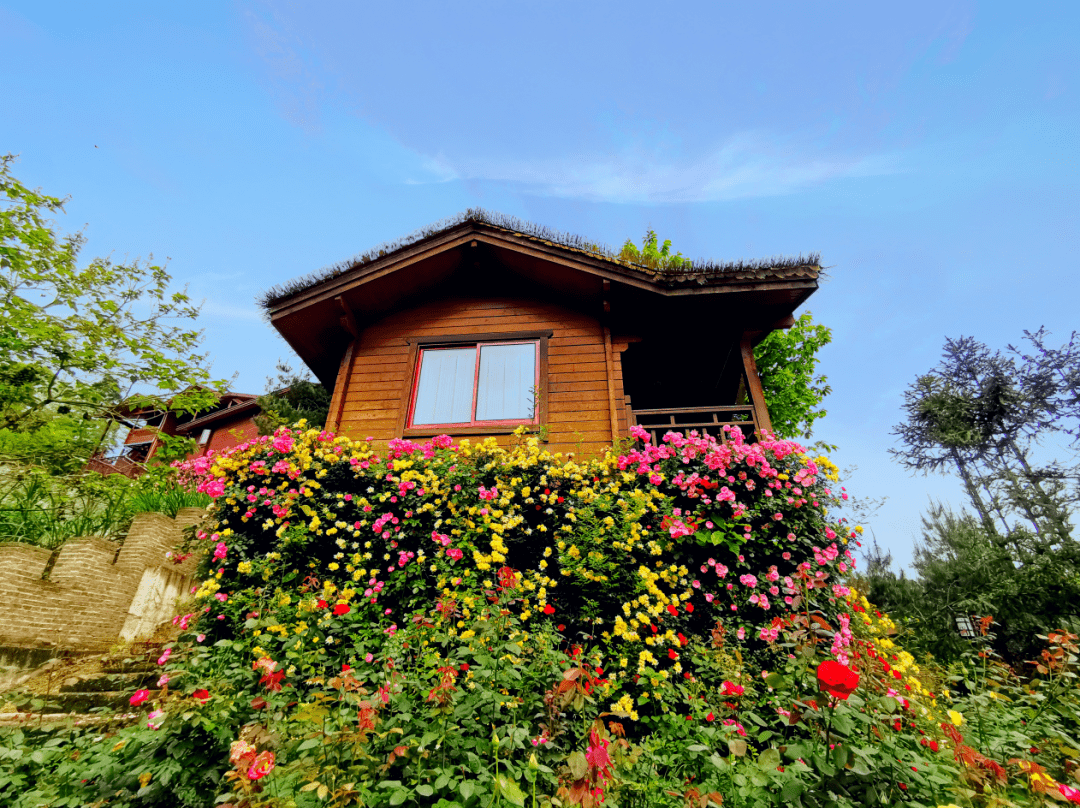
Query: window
478	384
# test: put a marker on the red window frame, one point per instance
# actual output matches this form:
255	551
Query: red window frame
537	342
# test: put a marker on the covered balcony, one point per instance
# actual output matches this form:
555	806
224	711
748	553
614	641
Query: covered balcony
701	390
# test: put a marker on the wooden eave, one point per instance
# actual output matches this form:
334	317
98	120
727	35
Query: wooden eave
217	415
318	322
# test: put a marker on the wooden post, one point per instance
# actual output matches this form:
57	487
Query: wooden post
753	383
341	390
610	360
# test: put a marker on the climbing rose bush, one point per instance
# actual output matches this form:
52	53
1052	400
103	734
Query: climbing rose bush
638	551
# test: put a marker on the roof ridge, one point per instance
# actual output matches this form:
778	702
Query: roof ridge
701	269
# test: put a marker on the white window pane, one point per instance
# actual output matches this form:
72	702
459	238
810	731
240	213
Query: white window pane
444	390
505	386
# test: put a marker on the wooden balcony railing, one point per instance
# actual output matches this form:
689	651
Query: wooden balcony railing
141	435
710	420
117	464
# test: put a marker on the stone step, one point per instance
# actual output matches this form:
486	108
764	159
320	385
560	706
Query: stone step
59	722
79	702
130	665
107	682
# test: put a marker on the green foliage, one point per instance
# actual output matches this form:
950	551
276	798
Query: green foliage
787	361
60	443
993	418
1029	585
79	340
324	665
291	397
652	256
40	508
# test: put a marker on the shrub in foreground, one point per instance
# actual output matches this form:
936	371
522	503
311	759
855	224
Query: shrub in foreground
468	625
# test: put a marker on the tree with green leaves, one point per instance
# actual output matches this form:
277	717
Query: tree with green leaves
787	362
653	256
77	340
291	396
1029	585
991	417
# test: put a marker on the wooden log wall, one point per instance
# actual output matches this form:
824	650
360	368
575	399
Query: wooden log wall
374	383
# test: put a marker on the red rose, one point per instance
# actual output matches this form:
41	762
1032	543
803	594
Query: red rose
732	689
341	608
272	680
201	696
671	654
689	607
263	765
464	666
839	681
323	604
710	717
139	697
549	609
673	609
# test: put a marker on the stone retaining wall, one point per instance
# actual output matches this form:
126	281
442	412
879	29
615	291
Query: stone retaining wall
98	592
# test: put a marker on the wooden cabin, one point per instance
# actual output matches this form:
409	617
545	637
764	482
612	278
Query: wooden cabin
482	324
230	422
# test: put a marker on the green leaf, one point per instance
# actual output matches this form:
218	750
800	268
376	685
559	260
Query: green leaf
509	789
579	767
398	797
428	737
769	758
791	791
843	724
774	680
467	788
425	790
795	751
841	754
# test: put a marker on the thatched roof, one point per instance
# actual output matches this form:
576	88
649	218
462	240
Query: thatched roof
699	272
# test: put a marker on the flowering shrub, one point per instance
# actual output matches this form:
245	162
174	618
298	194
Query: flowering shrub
457	624
642	549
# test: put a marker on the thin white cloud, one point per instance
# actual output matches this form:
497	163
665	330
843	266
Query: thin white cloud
216	309
747	165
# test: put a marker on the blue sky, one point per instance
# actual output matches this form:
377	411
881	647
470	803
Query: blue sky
929	151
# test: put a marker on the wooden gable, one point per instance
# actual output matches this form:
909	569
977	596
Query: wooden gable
684	339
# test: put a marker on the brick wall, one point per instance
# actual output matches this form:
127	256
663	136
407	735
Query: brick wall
91	591
226	432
